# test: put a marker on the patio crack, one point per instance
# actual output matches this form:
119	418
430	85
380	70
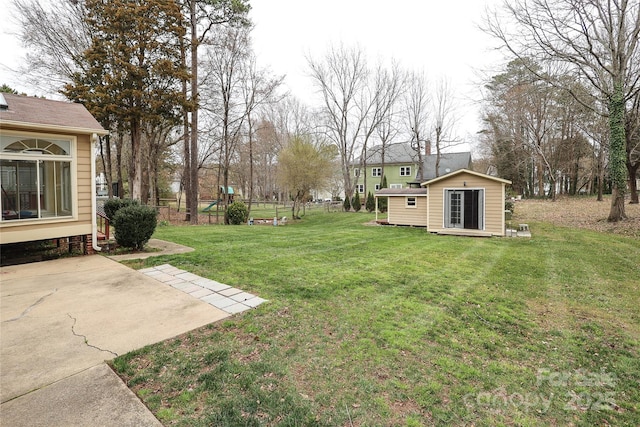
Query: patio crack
31	307
84	337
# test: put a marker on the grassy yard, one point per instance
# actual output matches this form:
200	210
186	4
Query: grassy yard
386	326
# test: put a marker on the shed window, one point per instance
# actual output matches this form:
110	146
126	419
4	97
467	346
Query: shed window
412	202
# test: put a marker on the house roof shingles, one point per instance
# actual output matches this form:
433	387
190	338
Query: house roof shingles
403	153
41	113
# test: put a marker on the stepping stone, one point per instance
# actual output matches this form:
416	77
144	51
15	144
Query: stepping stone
223	303
201	293
214	286
242	296
236	308
213	298
229	292
188	276
175	282
254	302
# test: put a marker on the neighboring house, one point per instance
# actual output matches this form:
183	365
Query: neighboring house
461	202
47	170
401	167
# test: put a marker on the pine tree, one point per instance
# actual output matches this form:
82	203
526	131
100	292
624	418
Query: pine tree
346	205
370	205
383	201
357	205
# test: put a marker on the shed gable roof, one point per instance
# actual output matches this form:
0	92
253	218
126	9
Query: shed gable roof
43	114
401	192
460	171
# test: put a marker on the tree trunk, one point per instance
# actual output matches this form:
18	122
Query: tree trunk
135	168
186	173
119	144
193	175
633	175
617	154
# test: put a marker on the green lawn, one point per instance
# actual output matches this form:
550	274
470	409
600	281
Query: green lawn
381	326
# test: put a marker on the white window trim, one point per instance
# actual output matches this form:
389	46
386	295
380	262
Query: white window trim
395	186
415	202
406	169
373	172
72	158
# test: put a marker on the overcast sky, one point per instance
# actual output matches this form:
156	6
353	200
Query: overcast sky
440	37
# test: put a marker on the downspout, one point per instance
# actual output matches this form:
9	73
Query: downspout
94	222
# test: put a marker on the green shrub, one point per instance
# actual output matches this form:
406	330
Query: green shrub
357	205
370	205
346	205
135	225
237	213
112	206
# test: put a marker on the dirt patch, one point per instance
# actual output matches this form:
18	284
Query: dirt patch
578	212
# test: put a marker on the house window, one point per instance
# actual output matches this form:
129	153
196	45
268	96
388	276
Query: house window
360	188
377	187
35	174
395	186
405	170
411	202
356	172
376	172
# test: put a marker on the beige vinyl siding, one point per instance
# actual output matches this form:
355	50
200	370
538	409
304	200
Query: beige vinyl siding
50	230
399	214
493	201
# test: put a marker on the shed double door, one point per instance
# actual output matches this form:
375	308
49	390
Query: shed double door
464	209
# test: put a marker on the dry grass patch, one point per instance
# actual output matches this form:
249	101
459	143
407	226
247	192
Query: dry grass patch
578	212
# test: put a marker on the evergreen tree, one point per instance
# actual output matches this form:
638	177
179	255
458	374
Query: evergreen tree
371	203
357	205
383	201
346	205
133	71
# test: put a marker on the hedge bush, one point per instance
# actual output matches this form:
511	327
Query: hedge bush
135	225
112	206
237	213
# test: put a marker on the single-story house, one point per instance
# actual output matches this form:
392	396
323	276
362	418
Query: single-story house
462	202
47	170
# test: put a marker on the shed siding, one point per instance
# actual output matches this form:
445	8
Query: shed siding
493	196
399	214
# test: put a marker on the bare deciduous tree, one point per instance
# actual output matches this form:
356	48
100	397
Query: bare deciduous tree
444	119
417	104
341	77
597	40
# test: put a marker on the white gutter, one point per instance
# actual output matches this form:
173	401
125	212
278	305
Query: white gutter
94	222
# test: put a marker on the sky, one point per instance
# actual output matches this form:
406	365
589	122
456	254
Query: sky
441	38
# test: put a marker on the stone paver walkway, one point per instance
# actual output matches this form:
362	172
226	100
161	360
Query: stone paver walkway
217	294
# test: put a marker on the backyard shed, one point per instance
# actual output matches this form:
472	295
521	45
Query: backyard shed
406	206
47	170
466	203
462	202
